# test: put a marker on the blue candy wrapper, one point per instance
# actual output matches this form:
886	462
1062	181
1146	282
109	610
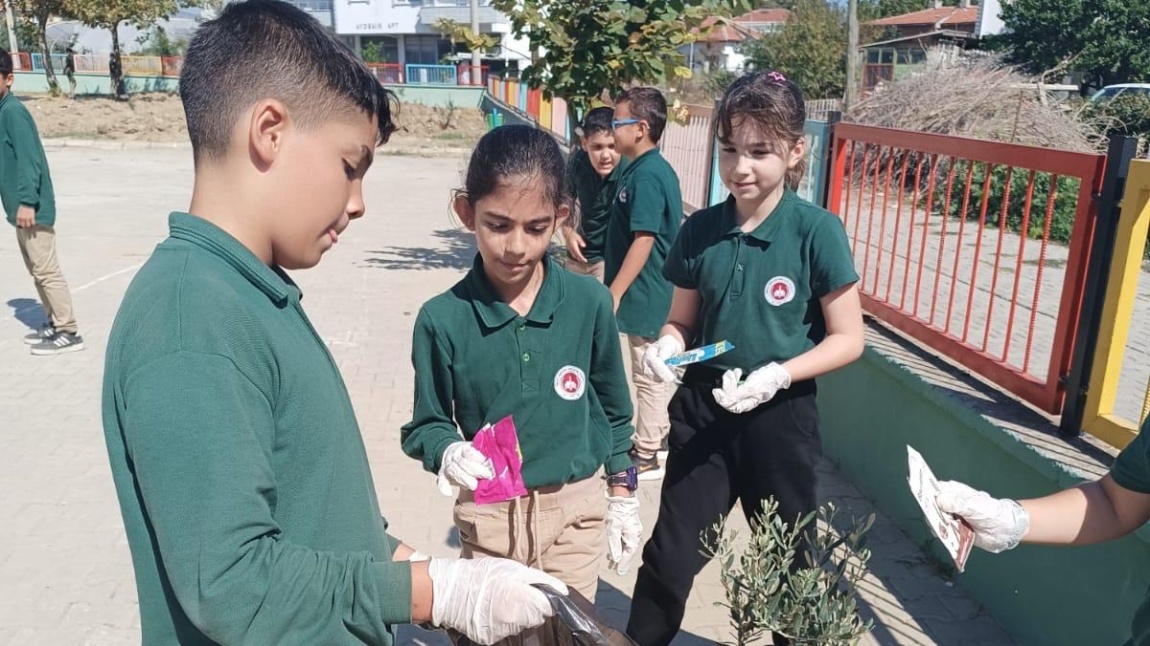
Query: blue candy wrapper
700	354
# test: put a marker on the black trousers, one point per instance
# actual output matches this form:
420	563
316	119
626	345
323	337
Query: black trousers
716	459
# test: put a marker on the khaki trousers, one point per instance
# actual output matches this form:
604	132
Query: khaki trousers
38	247
559	530
651	399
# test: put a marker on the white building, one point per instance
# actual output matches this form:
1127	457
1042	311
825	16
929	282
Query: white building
404	30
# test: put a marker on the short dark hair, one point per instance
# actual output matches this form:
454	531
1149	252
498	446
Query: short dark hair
510	152
5	62
597	121
647	104
261	49
772	103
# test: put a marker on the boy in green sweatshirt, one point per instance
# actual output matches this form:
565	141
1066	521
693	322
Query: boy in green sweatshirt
242	477
30	204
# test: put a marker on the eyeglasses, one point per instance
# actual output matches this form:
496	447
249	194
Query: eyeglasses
615	123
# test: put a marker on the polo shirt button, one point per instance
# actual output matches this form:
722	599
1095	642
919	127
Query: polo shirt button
526	357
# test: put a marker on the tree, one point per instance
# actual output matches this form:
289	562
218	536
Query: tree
596	46
1103	40
108	14
810	50
36	14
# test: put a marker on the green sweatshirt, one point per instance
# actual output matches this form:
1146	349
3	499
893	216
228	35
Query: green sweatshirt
24	177
241	473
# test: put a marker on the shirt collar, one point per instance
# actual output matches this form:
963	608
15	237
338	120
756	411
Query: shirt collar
272	281
496	313
768	228
650	154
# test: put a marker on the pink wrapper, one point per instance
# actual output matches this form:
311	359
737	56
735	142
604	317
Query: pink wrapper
500	443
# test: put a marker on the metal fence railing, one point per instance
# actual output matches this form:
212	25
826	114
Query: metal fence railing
953	238
688	148
550	114
37	61
170	66
821	109
91	63
431	75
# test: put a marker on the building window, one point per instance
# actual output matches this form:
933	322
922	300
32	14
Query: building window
380	49
317	6
425	50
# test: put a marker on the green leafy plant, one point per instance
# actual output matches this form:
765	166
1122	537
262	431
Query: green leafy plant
372	52
810	50
594	47
810	601
31	32
1062	217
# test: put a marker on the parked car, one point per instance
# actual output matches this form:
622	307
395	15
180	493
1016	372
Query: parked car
1113	91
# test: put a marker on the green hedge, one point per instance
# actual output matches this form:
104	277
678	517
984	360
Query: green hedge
1065	200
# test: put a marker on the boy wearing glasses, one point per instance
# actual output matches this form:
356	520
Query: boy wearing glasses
645	216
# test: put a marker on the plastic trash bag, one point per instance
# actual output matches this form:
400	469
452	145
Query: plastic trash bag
575	623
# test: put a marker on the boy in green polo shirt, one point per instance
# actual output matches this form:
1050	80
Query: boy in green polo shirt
240	470
30	204
645	217
520	336
592	172
1093	512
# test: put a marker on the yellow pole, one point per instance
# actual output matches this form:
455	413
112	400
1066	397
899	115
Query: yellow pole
1118	310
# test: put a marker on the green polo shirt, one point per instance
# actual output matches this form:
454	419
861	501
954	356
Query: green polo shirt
648	201
558	371
594	195
1132	471
241	474
761	290
24	176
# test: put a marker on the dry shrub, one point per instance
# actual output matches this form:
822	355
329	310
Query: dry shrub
981	98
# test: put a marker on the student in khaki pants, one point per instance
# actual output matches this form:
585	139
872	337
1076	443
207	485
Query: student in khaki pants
646	213
521	336
30	205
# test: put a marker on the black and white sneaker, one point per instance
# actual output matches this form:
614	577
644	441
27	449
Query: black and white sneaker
40	335
60	343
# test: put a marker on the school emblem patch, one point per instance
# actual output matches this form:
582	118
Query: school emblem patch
570	383
623	195
780	290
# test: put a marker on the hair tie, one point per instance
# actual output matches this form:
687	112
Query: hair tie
776	77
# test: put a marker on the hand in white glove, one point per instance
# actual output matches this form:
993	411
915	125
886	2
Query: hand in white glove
759	388
488	599
999	525
463	466
624	532
655	359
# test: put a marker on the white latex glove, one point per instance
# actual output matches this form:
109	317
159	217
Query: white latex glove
463	466
655	359
624	532
999	525
759	388
488	599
